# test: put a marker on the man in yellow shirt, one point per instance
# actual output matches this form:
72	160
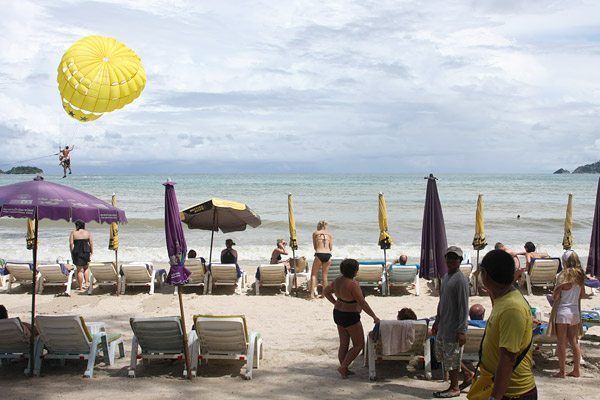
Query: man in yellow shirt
506	349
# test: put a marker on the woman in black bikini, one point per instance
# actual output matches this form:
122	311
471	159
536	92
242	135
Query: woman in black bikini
347	306
276	255
82	248
323	244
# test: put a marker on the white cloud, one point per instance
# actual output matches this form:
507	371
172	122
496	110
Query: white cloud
335	86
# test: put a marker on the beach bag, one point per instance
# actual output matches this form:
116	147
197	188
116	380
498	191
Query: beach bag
298	264
482	386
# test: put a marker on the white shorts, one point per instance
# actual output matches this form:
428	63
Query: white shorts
567	317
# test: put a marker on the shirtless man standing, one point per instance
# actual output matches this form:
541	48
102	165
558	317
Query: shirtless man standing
323	244
65	159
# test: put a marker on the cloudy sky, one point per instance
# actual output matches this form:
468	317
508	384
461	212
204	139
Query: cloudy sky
403	86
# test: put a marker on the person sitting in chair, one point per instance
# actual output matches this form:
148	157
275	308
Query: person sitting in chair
229	255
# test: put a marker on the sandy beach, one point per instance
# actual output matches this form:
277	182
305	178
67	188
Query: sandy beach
300	348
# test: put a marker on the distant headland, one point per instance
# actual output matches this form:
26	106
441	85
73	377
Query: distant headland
584	169
23	170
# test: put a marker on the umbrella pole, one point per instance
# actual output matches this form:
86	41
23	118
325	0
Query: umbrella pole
116	266
185	338
477	275
295	270
33	285
384	258
212	236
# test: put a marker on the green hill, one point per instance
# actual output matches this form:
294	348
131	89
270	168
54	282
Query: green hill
588	169
23	170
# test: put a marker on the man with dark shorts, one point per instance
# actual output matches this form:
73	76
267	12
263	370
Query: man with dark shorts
450	326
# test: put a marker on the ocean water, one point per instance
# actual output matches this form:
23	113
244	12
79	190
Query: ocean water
349	202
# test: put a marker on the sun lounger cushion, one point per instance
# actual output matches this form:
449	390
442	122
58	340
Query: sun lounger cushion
237	267
258	272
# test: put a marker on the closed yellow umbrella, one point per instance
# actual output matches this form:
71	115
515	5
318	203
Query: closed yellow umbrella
292	221
568	237
385	240
30	234
113	241
479	241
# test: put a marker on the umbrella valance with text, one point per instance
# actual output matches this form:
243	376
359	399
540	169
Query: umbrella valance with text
215	214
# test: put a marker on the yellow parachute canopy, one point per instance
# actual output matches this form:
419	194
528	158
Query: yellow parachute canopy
97	74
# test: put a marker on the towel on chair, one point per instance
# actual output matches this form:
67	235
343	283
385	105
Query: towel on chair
396	336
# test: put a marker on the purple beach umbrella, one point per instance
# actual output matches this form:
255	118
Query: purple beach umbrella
177	250
593	264
433	239
38	199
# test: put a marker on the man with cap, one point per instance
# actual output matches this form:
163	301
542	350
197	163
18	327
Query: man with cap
450	326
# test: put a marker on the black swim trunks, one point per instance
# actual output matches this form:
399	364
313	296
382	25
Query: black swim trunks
324	257
345	318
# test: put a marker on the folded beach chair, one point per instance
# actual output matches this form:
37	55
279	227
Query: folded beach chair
160	338
542	272
141	274
69	338
226	275
273	275
419	350
371	274
55	275
199	275
104	274
227	338
14	342
402	275
332	274
20	273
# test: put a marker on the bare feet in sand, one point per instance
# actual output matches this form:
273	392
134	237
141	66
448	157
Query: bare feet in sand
559	375
344	372
574	374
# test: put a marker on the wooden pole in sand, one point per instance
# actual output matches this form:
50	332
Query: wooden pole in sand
185	339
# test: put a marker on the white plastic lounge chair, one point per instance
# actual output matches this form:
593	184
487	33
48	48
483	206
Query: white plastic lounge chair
332	274
141	274
55	275
227	338
371	275
14	343
471	347
301	271
104	274
160	338
420	350
542	272
227	275
467	270
402	275
199	275
273	275
69	338
20	273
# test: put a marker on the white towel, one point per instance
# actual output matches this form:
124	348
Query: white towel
396	336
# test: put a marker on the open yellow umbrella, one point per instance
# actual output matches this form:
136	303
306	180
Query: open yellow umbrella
385	240
113	241
30	234
568	237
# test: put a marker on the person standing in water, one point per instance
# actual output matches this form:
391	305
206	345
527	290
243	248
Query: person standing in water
82	248
323	243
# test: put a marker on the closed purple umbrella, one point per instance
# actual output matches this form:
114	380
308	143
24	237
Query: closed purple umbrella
593	264
38	199
433	239
177	249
